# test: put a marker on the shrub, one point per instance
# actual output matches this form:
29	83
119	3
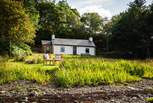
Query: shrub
150	100
20	51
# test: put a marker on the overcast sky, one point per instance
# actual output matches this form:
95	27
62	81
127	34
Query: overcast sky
106	8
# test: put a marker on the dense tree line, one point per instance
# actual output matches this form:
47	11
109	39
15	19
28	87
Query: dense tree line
16	25
30	21
132	30
66	22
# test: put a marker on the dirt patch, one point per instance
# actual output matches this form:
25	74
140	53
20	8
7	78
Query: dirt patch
25	91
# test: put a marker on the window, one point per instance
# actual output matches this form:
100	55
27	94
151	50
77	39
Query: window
87	50
62	49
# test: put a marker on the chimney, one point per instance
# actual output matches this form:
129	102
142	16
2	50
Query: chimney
53	37
90	39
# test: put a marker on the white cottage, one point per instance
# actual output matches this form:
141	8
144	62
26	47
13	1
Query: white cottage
69	46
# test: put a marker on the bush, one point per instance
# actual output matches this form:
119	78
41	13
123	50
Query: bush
20	51
150	100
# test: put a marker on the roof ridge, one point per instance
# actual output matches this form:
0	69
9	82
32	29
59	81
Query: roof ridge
71	39
75	42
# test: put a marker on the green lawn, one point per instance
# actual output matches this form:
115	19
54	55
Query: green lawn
77	71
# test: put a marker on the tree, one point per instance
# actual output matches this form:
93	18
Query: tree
137	3
59	19
93	21
70	19
149	28
15	24
31	9
130	33
48	21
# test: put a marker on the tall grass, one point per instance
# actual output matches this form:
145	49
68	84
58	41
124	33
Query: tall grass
76	71
13	71
95	71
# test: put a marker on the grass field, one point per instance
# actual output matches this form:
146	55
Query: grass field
12	71
77	71
96	71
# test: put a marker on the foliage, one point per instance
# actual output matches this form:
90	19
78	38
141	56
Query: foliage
13	71
59	19
131	30
64	21
14	22
3	46
16	25
48	16
150	100
34	59
31	9
20	51
93	21
70	20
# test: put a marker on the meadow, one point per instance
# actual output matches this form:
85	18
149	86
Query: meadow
76	71
99	71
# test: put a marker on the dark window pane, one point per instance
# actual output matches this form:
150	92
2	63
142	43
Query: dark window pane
62	49
87	50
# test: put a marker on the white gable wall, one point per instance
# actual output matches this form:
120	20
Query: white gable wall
82	50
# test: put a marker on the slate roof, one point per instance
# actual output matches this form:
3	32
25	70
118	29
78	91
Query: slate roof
71	42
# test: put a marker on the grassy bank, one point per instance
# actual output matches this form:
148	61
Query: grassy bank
96	71
13	71
77	71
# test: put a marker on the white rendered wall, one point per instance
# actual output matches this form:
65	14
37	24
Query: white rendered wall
69	50
82	50
57	49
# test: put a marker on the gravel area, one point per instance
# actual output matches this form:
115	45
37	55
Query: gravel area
29	92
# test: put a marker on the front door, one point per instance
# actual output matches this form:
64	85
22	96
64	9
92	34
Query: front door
74	50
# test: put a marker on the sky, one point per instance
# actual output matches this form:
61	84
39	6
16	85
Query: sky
106	8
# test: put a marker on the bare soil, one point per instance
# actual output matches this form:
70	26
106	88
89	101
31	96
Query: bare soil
29	92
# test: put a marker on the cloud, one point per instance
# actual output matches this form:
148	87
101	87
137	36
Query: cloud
90	1
106	8
95	8
98	1
84	6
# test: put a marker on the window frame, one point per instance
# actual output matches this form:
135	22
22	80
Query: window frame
87	50
62	49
